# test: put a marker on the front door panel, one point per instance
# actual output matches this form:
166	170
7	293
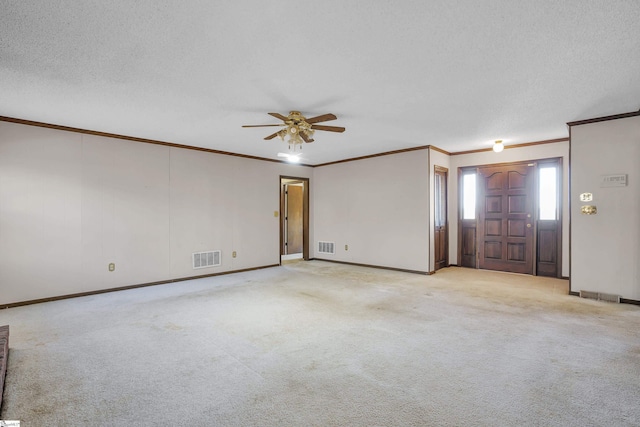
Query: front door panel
505	223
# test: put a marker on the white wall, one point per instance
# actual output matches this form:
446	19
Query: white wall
124	195
605	248
40	213
70	204
532	152
379	207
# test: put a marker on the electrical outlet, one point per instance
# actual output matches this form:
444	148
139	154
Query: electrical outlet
112	266
346	247
234	254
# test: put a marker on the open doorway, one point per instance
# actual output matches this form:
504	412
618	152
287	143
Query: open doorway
294	218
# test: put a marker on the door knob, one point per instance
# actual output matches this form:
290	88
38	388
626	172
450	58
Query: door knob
528	225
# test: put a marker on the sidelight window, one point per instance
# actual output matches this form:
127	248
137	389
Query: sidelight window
548	190
469	195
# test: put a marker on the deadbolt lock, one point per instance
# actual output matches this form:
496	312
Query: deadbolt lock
589	210
528	225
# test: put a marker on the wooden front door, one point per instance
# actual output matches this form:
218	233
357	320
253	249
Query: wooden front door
441	234
293	218
505	222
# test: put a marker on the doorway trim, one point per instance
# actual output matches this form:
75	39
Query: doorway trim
469	257
305	215
444	174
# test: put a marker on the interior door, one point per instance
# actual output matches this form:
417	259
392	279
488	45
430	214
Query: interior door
441	233
293	218
505	223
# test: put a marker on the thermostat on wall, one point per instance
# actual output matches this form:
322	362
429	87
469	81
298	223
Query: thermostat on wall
618	180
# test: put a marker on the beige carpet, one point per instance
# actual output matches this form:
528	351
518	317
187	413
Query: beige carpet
321	344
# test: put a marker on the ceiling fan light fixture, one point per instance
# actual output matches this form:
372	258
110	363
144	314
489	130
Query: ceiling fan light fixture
299	129
291	158
498	146
294	141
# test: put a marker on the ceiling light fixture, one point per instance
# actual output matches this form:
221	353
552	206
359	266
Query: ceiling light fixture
293	131
291	158
498	146
298	128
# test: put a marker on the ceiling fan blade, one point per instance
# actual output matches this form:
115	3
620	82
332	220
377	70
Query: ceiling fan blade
328	128
306	137
322	118
273	135
260	126
279	116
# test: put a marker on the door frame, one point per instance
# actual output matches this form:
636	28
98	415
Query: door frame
445	171
305	215
462	223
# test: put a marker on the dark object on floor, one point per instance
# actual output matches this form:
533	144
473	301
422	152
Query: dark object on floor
4	355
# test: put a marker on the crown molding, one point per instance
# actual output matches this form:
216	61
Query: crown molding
386	153
524	144
136	139
604	119
246	156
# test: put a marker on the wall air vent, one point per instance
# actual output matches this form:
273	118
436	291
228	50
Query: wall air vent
600	296
206	259
326	248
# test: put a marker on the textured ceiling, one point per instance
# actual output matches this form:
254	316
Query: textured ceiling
398	74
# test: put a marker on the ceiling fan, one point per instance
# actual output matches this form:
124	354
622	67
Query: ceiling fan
298	127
